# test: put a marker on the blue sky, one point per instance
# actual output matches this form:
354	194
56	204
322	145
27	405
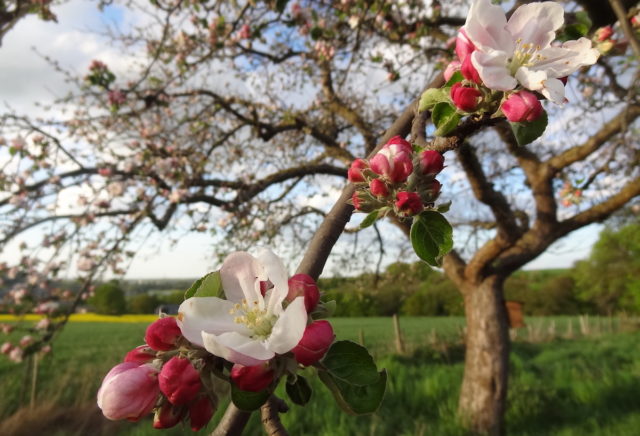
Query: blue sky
26	78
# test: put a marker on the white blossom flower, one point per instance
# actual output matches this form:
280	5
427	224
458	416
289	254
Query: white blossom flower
520	50
246	328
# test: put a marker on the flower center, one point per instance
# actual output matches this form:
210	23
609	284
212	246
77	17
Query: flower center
259	321
525	55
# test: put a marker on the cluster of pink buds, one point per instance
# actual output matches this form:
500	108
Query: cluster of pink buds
570	195
157	376
395	180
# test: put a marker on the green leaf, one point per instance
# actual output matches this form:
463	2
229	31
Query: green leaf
324	310
356	400
207	286
300	391
528	132
445	118
433	96
431	237
455	78
369	219
351	363
444	207
316	33
249	401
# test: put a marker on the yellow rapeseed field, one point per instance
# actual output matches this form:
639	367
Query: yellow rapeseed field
88	317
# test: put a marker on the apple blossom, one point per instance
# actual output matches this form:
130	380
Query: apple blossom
200	412
168	415
179	381
408	203
6	348
162	334
246	328
465	98
519	50
378	188
431	162
303	285
141	354
254	378
522	106
393	161
354	174
317	338
16	354
128	391
469	72
451	70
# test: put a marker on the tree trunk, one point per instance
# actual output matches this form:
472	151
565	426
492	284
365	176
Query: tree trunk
484	387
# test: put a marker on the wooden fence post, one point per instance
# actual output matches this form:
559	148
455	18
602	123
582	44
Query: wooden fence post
399	341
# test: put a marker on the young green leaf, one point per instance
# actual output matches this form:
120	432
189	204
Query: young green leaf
248	401
369	219
445	118
206	286
431	237
455	78
433	96
300	391
527	132
351	363
356	400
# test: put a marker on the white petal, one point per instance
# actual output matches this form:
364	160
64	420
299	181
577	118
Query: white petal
241	274
562	61
289	328
531	79
486	27
536	23
236	348
210	314
553	90
278	276
492	68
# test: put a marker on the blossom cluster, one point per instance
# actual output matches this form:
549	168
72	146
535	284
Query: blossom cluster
394	181
262	330
507	66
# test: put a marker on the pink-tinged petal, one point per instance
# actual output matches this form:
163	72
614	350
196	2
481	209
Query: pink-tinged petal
536	23
289	328
492	68
209	314
486	27
562	61
241	274
278	276
554	90
236	348
531	79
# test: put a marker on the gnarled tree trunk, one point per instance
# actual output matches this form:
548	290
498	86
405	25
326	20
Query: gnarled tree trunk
484	387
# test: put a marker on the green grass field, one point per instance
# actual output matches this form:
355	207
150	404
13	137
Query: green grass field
587	386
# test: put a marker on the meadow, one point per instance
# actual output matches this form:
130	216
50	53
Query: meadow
560	385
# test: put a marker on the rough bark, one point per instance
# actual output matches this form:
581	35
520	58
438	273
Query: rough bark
484	387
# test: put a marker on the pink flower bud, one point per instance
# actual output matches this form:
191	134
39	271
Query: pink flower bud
635	20
522	106
303	285
361	201
469	72
141	354
354	174
464	97
316	340
245	32
436	187
431	162
451	70
179	381
163	334
200	413
46	349
128	391
464	46
168	415
16	354
26	340
252	378
378	188
408	203
394	161
604	33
